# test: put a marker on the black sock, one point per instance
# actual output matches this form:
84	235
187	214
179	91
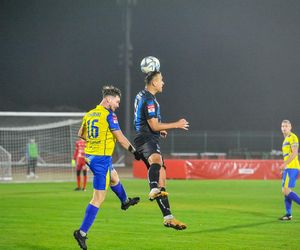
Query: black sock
153	175
163	203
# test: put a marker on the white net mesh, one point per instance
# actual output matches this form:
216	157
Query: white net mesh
5	165
55	146
54	134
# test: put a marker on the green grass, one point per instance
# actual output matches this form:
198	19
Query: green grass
219	215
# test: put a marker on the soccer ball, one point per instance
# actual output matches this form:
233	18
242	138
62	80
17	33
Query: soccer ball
149	64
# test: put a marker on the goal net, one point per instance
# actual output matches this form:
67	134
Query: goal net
49	137
5	165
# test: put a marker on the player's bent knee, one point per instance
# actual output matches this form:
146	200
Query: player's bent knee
155	158
98	197
286	191
113	183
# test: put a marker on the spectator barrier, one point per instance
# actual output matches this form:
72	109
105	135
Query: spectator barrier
215	169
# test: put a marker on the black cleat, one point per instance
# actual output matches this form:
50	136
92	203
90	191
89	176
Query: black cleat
130	202
77	189
80	239
286	217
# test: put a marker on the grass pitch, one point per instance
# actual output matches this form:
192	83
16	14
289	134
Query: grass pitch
219	215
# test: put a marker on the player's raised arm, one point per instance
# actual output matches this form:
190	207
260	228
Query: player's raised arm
155	125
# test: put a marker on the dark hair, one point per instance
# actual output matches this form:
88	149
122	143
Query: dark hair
149	77
110	90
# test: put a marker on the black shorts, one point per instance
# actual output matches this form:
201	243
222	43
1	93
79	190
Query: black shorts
147	149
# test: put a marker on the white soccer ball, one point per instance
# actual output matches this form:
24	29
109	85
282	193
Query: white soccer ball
150	64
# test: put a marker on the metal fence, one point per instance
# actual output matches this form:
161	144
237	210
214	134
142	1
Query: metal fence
230	144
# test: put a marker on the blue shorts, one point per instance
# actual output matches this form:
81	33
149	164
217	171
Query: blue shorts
101	166
289	177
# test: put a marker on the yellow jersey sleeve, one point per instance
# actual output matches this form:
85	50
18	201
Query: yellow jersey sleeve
293	140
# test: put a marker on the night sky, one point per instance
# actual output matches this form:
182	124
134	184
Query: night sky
227	65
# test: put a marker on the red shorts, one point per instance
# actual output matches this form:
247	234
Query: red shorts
80	164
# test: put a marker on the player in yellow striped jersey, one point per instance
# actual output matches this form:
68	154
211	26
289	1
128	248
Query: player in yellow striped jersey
100	129
290	168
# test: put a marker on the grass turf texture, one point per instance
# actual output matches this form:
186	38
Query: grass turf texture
219	215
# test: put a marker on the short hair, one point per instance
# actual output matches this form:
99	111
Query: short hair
110	90
149	77
286	121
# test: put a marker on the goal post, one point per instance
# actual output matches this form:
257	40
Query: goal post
54	136
5	165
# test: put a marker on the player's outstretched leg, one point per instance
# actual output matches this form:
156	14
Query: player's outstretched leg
90	214
130	202
294	197
121	193
169	220
153	177
288	209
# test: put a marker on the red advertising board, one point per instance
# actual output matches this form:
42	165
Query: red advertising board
215	169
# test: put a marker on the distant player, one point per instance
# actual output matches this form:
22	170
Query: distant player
290	168
100	128
32	156
79	161
149	129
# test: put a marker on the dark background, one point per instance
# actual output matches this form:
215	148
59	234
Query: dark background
227	65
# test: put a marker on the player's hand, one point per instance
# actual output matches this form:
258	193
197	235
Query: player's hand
137	155
183	124
73	163
282	168
163	133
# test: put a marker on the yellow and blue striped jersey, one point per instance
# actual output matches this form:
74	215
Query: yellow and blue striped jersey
98	125
290	141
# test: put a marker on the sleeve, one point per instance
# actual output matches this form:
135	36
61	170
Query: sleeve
150	109
294	141
113	123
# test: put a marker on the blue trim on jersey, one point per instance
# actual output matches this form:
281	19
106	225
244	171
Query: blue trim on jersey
285	144
289	177
285	155
112	120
